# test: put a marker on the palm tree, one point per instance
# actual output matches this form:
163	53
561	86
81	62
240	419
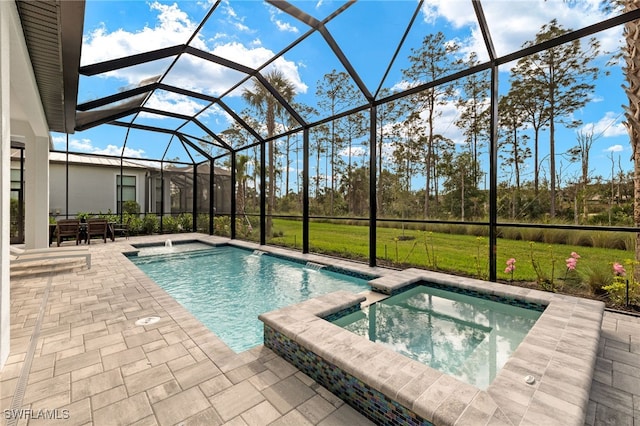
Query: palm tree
241	178
632	113
260	99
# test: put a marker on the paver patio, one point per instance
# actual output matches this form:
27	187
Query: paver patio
76	353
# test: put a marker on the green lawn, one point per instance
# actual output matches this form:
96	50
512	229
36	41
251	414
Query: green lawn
462	254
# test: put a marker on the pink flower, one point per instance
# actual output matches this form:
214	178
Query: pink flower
571	263
575	255
511	266
618	269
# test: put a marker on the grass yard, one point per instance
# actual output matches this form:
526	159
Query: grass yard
461	254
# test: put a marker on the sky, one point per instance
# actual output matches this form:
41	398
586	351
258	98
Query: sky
368	32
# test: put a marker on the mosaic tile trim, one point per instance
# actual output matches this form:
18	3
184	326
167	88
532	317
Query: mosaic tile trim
474	293
331	268
178	242
369	402
346	311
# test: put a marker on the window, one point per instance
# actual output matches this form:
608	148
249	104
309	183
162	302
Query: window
128	192
16	185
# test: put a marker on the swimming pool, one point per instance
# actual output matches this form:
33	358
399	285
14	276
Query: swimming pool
467	337
227	287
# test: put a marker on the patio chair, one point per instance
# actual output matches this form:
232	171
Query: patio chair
39	255
120	228
96	227
66	228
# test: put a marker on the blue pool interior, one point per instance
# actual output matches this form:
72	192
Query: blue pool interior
227	287
467	337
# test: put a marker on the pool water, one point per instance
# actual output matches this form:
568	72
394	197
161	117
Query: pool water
467	337
226	288
171	248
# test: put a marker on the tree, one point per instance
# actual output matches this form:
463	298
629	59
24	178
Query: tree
474	111
260	99
562	77
434	59
318	139
387	135
632	110
580	153
533	111
462	193
241	179
335	93
515	150
358	198
293	141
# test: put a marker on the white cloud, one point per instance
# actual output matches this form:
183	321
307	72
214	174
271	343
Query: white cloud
173	27
614	148
232	17
59	141
608	126
512	23
117	150
82	145
285	26
454	11
281	25
173	102
241	27
229	10
356	151
86	145
290	71
206	4
444	123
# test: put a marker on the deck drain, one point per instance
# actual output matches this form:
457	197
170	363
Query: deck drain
147	321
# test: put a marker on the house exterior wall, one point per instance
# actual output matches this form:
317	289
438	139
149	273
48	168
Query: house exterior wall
92	188
6	16
21	117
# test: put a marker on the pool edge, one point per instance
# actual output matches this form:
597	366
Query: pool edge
559	351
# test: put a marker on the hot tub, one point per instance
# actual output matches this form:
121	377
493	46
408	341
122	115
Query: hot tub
546	380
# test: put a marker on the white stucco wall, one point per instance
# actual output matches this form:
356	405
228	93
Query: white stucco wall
5	179
22	116
92	189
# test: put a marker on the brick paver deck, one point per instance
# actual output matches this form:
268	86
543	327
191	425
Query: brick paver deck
77	354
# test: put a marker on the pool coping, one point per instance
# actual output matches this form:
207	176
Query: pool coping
559	351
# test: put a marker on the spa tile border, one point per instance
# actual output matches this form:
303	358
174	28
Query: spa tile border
559	351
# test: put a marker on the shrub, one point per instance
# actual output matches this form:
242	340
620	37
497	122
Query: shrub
598	276
131	207
629	241
170	225
203	223
186	222
623	289
604	239
509	233
134	222
580	238
555	236
532	234
617	291
150	223
222	226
